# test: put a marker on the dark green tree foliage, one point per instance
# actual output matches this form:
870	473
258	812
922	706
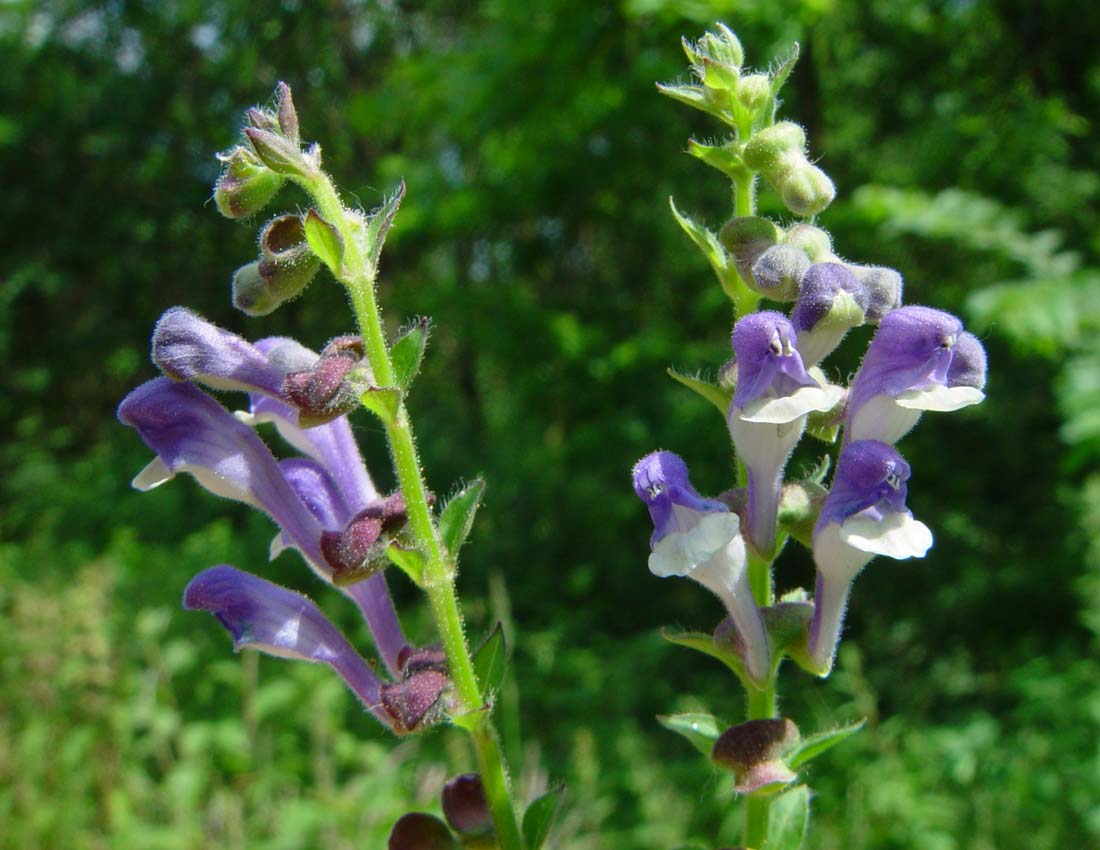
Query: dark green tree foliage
539	160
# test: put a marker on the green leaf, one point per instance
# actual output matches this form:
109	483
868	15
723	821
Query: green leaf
704	643
382	401
815	745
407	351
378	225
722	157
819	472
458	516
411	561
325	241
702	730
539	817
789	819
780	73
705	241
717	396
490	661
691	95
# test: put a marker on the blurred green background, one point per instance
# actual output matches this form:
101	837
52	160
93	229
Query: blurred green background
536	232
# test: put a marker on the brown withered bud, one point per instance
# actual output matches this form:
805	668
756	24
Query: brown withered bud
465	806
754	751
421	831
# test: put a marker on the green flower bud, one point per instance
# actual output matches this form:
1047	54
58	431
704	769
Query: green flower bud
754	90
723	46
286	266
816	242
777	272
765	150
246	185
806	191
746	238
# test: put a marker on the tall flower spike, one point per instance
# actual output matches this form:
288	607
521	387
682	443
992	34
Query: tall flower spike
830	302
701	539
864	515
909	368
768	412
264	616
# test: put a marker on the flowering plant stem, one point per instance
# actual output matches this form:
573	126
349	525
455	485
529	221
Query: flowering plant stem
358	275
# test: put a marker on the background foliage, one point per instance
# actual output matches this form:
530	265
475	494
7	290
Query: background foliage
536	232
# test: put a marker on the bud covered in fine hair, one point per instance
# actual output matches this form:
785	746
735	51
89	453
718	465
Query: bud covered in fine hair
246	185
816	242
754	751
766	151
779	153
883	286
778	272
807	190
746	238
754	90
286	266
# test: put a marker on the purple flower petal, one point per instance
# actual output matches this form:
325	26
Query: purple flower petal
189	348
768	364
190	432
907	370
264	616
661	481
830	302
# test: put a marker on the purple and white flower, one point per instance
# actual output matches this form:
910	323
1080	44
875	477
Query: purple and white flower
768	413
920	359
701	539
864	515
831	301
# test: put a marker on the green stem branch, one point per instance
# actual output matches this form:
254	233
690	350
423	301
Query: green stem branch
358	276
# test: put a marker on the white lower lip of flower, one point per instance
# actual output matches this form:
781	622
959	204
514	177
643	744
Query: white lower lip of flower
896	535
681	552
156	473
777	411
940	398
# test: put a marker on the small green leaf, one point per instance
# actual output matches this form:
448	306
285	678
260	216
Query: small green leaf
382	401
325	241
702	730
820	471
789	819
705	241
490	661
717	396
470	720
539	817
378	225
704	643
407	351
722	157
411	561
458	516
691	95
815	745
780	74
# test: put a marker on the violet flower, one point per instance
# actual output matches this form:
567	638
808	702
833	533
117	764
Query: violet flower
267	617
768	412
864	515
311	502
830	302
700	539
911	367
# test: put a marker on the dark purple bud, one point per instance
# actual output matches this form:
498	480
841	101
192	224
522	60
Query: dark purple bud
465	806
415	701
358	551
412	659
754	751
420	831
329	387
778	272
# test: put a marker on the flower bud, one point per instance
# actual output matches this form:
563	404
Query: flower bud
765	150
813	240
754	751
421	831
465	806
799	506
883	287
754	90
778	272
246	185
830	302
746	238
806	190
286	266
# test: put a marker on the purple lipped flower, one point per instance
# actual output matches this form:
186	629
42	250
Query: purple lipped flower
272	619
768	412
190	432
864	515
830	302
908	369
320	387
701	539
